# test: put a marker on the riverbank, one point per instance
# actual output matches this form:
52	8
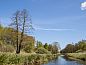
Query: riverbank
77	56
62	60
25	59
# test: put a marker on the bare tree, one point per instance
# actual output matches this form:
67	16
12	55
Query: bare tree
21	23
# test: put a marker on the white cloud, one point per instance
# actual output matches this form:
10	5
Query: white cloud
44	29
83	6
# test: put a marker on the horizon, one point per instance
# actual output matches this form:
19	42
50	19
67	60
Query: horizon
54	21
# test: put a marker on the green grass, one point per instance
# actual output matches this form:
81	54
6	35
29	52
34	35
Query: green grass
21	59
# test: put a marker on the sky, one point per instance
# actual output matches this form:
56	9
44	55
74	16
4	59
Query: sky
62	21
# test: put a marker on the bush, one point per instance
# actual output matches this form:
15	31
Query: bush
24	59
3	59
6	48
28	49
42	51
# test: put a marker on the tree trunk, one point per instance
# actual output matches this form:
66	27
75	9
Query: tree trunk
17	40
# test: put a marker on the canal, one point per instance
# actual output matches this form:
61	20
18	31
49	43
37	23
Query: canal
62	60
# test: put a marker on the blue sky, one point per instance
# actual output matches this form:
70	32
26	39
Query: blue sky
54	20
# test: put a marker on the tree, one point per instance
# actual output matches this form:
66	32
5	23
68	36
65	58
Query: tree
28	44
55	48
39	44
21	23
77	47
82	45
50	47
70	48
46	46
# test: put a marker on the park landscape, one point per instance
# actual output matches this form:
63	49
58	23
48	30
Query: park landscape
19	47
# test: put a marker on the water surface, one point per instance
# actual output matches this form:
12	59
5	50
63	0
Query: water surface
62	60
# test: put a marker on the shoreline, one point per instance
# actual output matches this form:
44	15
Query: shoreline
81	57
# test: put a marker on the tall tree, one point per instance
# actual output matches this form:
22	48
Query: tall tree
21	23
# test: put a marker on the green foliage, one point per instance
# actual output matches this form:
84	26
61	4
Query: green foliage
14	59
70	48
3	59
82	44
24	59
77	47
42	51
51	48
28	49
39	44
46	46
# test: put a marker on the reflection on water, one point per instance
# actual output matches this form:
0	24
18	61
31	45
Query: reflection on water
62	60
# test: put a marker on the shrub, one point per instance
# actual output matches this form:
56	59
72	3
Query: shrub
24	59
42	51
3	59
28	49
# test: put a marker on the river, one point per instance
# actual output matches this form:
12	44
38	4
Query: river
62	60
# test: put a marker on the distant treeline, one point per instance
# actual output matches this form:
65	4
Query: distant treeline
75	48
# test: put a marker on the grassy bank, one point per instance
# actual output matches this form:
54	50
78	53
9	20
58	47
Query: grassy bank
77	56
25	59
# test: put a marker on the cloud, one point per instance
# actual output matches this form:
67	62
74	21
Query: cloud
38	28
83	6
44	29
